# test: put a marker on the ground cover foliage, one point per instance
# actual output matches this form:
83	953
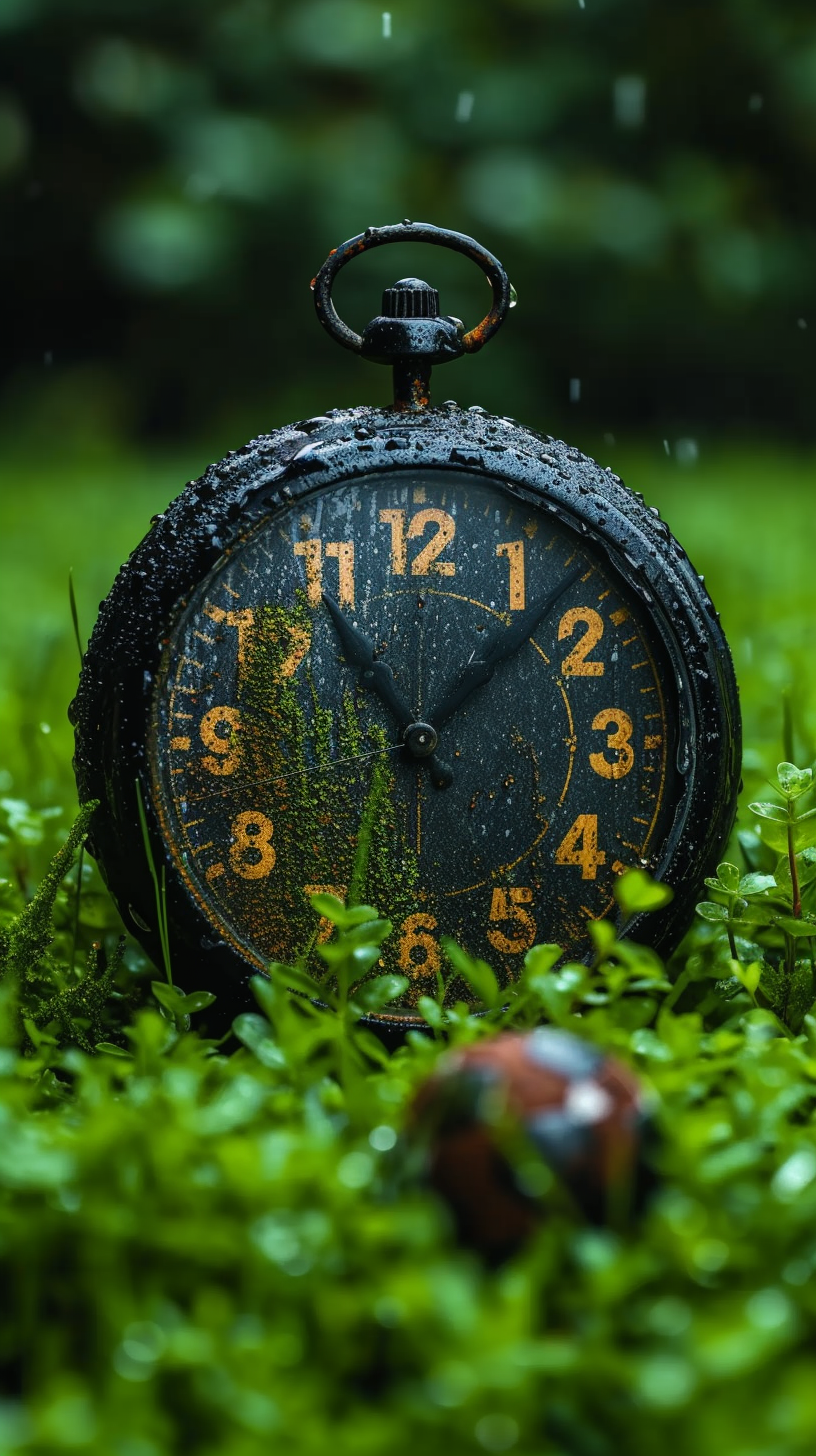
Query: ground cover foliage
216	1248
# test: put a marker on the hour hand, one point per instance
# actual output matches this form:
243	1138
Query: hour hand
358	651
419	738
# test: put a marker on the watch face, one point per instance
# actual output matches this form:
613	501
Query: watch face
421	691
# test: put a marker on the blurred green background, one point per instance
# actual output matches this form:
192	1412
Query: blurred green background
172	176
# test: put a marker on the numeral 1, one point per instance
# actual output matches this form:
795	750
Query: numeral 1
514	551
399	545
343	553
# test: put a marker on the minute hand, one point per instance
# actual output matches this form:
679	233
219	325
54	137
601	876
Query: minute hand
475	674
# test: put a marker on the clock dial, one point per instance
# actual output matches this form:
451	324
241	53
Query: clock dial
423	691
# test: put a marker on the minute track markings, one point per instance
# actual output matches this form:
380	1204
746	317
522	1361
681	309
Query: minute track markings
394	633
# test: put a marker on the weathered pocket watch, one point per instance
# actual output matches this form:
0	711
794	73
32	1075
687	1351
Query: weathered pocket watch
417	654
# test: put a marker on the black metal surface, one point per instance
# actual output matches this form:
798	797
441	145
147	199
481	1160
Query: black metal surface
411	232
113	705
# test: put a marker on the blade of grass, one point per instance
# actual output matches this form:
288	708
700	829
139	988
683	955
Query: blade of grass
75	615
159	887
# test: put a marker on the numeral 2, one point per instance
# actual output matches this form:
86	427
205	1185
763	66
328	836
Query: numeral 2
575	664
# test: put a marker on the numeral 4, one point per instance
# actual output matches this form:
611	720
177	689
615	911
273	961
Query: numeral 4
580	847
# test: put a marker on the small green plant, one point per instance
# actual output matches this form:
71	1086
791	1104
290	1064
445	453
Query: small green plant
769	918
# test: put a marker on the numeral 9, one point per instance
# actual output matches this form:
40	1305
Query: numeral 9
225	753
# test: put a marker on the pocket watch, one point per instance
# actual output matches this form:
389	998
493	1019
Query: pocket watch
418	656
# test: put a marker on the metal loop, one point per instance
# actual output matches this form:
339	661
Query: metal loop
411	232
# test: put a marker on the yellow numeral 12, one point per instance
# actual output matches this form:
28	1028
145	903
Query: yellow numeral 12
425	560
580	846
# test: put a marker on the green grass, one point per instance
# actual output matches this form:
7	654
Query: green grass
227	1250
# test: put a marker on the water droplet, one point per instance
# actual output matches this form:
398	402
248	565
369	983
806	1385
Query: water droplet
574	391
686	451
464	106
386	24
756	102
629	101
513	296
801	323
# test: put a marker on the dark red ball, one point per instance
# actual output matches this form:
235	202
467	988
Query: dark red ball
582	1111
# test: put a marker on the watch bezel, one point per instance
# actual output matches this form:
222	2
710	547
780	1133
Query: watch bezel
113	708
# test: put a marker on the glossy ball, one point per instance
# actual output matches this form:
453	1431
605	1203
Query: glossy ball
487	1106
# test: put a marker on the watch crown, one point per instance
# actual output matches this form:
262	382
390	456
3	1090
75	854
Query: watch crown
410	298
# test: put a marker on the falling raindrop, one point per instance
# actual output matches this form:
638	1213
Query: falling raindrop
48	357
514	298
687	451
800	323
386	24
667	447
574	390
464	105
629	101
756	102
609	438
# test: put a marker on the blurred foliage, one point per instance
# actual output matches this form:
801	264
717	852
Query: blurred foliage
172	176
210	1249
